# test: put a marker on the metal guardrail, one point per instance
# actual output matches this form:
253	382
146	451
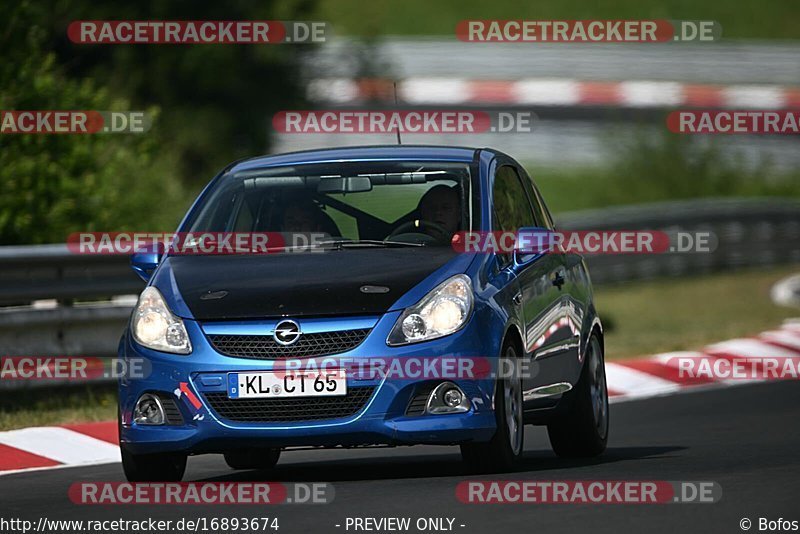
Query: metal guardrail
750	233
35	272
725	62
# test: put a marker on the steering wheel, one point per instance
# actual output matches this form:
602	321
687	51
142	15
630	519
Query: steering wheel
441	233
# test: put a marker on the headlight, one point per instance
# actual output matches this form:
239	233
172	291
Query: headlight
441	312
155	327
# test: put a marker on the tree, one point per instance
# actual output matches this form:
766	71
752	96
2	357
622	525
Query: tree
53	185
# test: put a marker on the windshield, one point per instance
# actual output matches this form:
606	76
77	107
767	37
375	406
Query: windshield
377	203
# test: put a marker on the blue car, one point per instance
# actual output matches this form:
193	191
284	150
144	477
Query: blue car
250	354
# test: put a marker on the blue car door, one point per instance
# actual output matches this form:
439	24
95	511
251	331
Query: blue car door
549	340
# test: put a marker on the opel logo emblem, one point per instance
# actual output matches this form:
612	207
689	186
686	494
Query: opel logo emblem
286	332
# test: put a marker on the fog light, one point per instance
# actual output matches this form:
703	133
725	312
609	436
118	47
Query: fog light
148	411
447	398
453	397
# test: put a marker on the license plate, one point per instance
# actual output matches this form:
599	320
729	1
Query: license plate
266	384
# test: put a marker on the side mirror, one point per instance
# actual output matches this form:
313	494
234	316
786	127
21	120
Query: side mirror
535	240
144	263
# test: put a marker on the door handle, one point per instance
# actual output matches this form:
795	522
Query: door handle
517	299
558	279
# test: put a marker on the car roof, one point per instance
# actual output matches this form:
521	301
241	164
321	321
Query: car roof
360	153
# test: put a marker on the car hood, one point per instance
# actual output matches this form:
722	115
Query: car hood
330	282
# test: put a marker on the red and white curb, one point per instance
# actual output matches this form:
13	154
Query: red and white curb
659	375
49	447
36	448
554	92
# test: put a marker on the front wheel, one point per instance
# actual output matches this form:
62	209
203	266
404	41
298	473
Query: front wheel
505	448
583	431
162	467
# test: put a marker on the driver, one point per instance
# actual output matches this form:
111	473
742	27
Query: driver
301	216
441	205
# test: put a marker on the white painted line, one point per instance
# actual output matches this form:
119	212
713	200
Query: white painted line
669	359
651	94
550	91
546	92
631	382
434	91
61	445
754	96
62	466
751	348
692	389
783	337
335	90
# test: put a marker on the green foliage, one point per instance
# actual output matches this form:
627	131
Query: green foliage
766	19
216	100
53	185
211	104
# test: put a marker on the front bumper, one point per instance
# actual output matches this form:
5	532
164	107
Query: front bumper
192	380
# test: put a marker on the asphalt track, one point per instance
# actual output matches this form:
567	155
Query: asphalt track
746	438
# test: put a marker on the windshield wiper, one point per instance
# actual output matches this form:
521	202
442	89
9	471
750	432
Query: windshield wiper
356	243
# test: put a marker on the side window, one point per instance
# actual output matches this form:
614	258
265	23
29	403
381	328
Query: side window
549	223
244	218
511	206
539	210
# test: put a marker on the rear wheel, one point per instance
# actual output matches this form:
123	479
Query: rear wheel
162	467
262	458
583	431
505	448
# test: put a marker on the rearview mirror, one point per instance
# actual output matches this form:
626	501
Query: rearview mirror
350	184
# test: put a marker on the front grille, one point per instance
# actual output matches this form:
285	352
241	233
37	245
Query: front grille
289	409
266	348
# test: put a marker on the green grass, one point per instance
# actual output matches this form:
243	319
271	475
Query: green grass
640	319
688	313
656	168
767	19
58	405
579	189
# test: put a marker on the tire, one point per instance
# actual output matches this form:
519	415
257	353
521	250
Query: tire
583	431
504	450
263	458
164	467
